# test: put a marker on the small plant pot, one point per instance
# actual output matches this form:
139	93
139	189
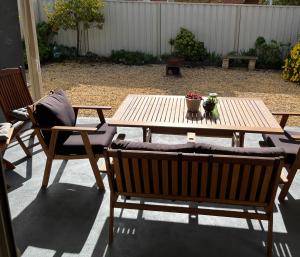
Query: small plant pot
175	61
208	107
193	105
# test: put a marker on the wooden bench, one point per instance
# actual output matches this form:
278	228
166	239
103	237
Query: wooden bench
245	181
251	63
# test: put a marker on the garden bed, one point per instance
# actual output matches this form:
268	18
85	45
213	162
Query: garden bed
108	84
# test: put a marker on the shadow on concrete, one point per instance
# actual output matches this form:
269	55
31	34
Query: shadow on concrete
60	218
156	238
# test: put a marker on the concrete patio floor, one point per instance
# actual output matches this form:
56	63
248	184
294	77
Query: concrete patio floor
70	218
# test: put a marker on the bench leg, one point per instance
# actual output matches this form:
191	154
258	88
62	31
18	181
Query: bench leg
225	64
270	236
251	64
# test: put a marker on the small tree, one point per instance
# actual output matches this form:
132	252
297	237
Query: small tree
71	14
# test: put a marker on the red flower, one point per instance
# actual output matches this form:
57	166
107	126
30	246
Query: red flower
193	95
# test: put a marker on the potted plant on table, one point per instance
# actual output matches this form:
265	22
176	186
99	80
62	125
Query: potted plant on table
193	101
210	103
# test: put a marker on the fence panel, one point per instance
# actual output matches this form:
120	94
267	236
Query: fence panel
213	24
278	23
148	26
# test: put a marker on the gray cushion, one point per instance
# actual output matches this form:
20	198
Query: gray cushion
55	110
4	130
241	151
20	114
99	140
129	145
290	146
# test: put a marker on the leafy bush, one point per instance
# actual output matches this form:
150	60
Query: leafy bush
132	58
268	53
291	68
213	59
44	38
188	47
61	52
70	14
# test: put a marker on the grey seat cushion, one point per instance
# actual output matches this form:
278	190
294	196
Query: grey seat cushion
4	130
290	146
143	146
20	114
99	140
55	110
241	151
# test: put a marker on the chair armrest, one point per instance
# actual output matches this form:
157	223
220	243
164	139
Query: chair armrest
285	116
92	107
294	136
286	113
72	129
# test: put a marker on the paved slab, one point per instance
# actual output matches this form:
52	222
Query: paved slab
70	218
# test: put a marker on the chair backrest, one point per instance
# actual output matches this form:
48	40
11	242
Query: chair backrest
240	180
14	93
52	110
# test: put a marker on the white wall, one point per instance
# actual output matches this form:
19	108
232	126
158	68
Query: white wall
147	27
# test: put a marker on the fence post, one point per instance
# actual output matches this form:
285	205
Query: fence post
158	20
237	28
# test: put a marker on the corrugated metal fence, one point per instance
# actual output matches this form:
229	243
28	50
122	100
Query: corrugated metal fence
147	27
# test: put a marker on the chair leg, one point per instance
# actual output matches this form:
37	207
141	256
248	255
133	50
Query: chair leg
111	220
96	172
47	171
291	174
270	236
25	149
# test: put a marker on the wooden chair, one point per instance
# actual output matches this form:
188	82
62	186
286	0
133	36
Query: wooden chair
290	142
246	181
14	94
61	142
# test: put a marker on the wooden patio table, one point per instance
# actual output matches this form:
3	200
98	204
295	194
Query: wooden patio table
167	114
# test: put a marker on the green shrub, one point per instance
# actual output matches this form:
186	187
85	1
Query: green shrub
188	47
44	38
132	58
61	52
213	59
268	53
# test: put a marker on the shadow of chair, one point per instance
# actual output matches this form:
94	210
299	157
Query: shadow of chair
14	95
59	218
54	122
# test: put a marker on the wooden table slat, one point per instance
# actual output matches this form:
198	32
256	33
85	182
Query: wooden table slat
170	113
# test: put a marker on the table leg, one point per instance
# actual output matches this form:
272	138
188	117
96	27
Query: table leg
234	139
147	136
241	139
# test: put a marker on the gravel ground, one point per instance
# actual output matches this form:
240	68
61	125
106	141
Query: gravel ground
108	84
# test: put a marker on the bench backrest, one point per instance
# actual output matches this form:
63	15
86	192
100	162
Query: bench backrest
236	180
